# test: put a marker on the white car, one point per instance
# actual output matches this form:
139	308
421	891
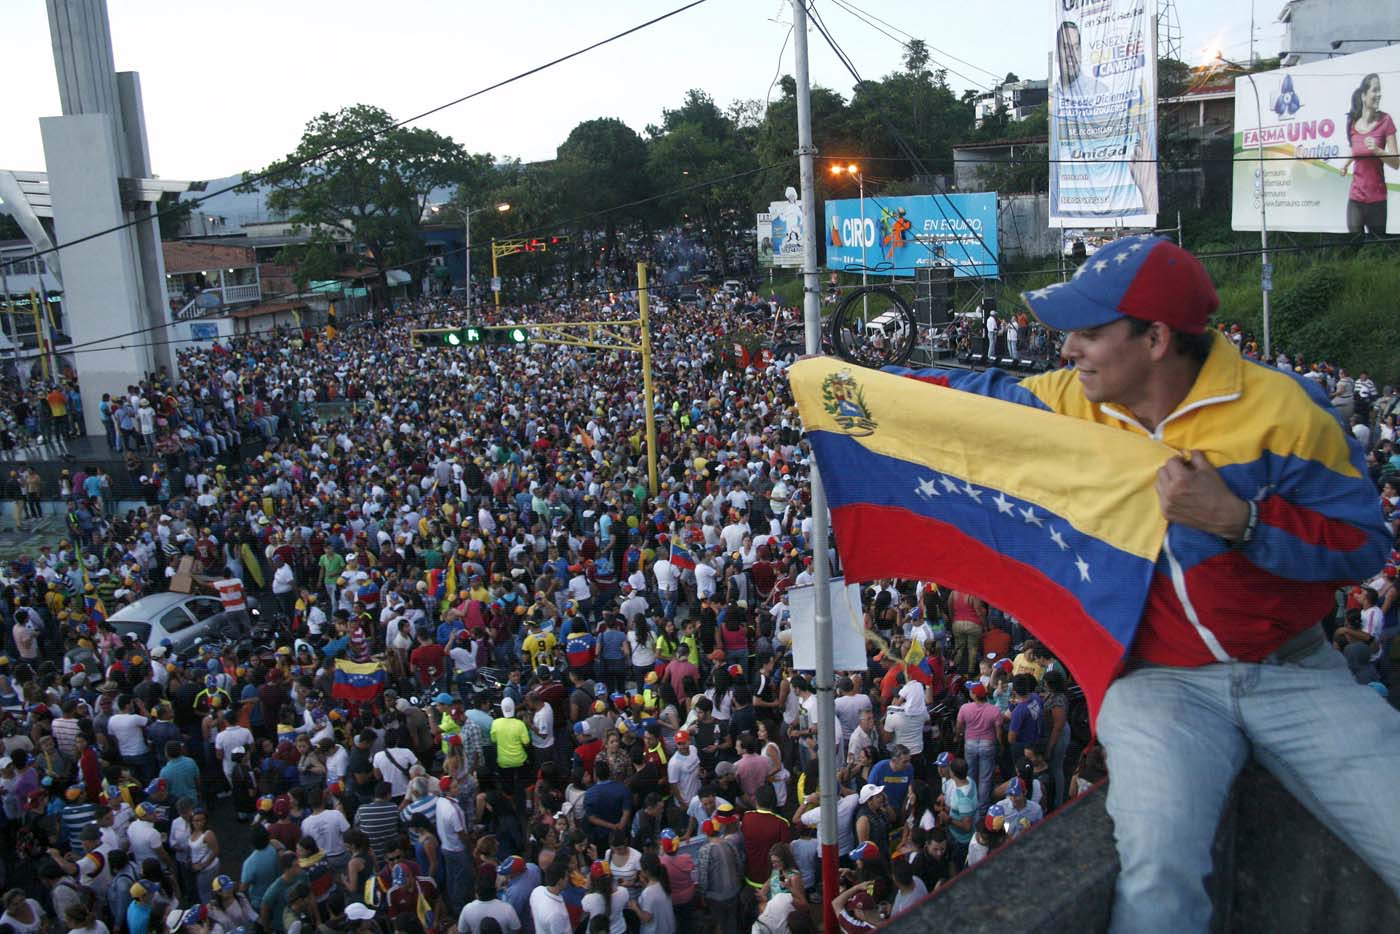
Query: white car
182	618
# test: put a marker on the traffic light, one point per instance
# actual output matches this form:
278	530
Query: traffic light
462	336
512	336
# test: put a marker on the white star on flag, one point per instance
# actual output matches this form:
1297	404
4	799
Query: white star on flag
1101	265
928	488
1031	518
1083	567
949	484
1003	504
1121	258
1136	246
1058	539
972	491
1081	270
1039	293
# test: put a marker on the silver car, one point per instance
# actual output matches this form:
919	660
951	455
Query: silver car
180	617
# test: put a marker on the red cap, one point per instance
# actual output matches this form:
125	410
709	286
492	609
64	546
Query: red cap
682	736
710	828
978	689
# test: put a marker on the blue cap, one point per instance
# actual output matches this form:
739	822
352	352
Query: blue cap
443	698
211	681
944	760
1146	277
996	810
1016	787
214	665
600	690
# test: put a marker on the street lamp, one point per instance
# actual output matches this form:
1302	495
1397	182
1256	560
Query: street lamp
1265	269
854	170
465	214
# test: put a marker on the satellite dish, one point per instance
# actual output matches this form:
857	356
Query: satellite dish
790	194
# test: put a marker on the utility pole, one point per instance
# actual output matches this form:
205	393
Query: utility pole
821	563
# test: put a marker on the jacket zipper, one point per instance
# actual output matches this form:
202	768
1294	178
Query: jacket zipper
1177	574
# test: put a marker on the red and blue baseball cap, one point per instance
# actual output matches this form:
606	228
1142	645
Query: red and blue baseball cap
1145	277
1016	787
866	850
944	760
511	866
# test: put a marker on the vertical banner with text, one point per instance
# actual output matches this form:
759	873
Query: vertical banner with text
1103	113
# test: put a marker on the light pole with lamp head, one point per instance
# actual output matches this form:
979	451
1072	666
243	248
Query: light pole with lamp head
466	215
854	170
1266	271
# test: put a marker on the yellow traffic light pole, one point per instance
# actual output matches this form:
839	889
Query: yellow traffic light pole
628	335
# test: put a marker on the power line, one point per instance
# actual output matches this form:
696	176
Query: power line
542	230
364	138
902	143
860	15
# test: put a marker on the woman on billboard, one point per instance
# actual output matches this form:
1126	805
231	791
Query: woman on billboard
1371	133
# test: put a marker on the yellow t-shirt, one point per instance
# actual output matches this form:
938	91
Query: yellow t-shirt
1024	666
511	738
540	648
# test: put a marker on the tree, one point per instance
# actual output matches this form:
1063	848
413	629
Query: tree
355	170
699	142
601	166
916	57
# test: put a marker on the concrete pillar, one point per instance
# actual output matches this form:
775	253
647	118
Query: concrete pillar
101	294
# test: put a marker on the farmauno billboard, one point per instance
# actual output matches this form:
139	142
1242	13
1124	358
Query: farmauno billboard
1317	151
895	236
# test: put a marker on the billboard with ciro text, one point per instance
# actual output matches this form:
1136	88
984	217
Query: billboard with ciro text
1103	113
1315	151
895	236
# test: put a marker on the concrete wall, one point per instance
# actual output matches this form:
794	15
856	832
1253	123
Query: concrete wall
1277	869
1314	24
1023	227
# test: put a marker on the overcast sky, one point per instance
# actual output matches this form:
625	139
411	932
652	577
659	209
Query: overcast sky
229	86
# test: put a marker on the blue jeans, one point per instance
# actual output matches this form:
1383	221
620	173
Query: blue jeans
1177	737
981	755
458	867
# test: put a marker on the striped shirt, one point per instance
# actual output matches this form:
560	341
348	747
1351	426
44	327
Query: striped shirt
65	731
380	822
74	817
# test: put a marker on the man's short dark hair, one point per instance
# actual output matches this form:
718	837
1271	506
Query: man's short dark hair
601	771
1195	346
766	798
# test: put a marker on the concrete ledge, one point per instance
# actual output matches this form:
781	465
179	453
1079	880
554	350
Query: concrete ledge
1278	869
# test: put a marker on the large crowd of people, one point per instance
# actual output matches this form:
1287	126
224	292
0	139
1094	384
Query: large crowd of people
500	685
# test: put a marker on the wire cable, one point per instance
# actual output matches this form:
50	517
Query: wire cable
364	138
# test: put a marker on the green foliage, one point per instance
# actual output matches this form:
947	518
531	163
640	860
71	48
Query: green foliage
374	184
1326	305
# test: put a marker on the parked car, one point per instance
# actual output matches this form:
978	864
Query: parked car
182	618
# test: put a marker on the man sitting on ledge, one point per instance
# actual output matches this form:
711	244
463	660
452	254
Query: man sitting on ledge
1270	509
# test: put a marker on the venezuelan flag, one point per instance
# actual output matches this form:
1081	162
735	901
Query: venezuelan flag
96	612
1052	519
357	681
682	558
437	587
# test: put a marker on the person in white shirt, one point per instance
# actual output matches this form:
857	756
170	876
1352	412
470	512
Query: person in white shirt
229	738
128	728
547	908
487	905
706	578
394	763
327	827
683	769
541	728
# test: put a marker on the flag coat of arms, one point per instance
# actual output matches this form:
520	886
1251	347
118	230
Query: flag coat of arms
357	681
1052	519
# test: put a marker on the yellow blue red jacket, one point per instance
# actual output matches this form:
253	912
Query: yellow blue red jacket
1275	441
